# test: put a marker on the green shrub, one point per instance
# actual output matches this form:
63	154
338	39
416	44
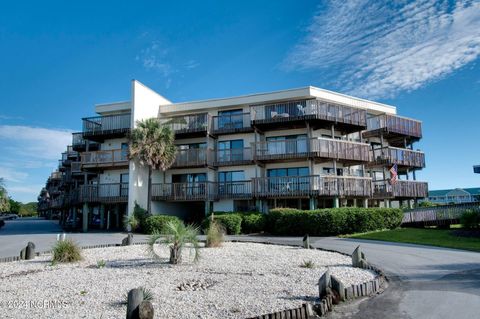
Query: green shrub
253	223
470	219
66	251
231	222
215	233
141	216
156	223
331	221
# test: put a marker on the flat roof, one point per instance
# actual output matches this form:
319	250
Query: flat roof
289	94
113	108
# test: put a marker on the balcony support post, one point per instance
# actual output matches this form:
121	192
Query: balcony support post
365	203
336	202
102	215
313	203
85	217
117	216
208	207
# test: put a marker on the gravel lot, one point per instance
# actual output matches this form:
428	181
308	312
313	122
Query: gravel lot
237	280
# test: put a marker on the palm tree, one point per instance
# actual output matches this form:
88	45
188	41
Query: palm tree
152	144
177	235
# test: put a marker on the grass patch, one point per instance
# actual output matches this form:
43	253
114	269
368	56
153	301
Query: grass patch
66	251
430	236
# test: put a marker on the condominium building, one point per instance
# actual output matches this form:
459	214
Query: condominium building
454	196
305	148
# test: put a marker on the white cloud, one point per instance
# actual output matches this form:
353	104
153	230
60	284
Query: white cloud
34	142
12	175
154	57
377	49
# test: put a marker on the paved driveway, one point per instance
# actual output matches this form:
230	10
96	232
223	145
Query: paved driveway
17	233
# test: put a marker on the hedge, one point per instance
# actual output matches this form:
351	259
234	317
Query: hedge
238	222
155	223
334	221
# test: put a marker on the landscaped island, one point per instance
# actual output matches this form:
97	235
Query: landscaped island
237	280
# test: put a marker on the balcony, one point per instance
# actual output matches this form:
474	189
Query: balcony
76	167
80	144
286	186
320	114
100	128
397	130
267	151
404	158
200	191
314	185
234	156
194	157
232	123
402	189
56	176
319	148
192	125
100	193
104	159
235	189
343	186
343	151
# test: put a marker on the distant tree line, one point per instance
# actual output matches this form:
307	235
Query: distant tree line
9	205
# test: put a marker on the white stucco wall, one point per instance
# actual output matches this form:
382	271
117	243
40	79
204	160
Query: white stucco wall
145	104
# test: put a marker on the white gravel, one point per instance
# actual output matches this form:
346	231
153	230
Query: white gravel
241	280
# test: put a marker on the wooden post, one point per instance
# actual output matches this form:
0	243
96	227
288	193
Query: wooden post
135	298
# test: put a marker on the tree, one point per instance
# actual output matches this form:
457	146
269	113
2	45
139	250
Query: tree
14	206
177	235
4	201
152	144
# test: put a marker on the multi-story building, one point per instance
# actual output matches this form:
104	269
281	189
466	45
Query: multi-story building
304	148
454	196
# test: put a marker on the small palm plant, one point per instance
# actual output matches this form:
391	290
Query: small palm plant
177	235
152	144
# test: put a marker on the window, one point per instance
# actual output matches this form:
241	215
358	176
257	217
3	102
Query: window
280	182
232	182
124	151
329	171
124	184
230	119
290	144
230	150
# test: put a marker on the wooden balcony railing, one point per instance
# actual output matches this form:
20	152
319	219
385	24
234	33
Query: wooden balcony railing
281	149
315	185
193	157
315	147
107	158
308	109
399	156
105	125
56	175
102	193
199	191
231	123
345	186
402	189
340	149
394	124
286	186
79	143
237	189
188	124
233	156
76	167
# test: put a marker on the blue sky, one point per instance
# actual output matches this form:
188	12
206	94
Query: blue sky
60	58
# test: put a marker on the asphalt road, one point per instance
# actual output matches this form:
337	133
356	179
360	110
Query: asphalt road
425	282
17	233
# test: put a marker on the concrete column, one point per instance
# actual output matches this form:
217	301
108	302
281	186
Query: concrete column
117	216
102	215
208	206
313	203
355	202
85	217
365	203
108	218
336	203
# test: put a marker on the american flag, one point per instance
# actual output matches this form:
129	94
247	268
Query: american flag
393	174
